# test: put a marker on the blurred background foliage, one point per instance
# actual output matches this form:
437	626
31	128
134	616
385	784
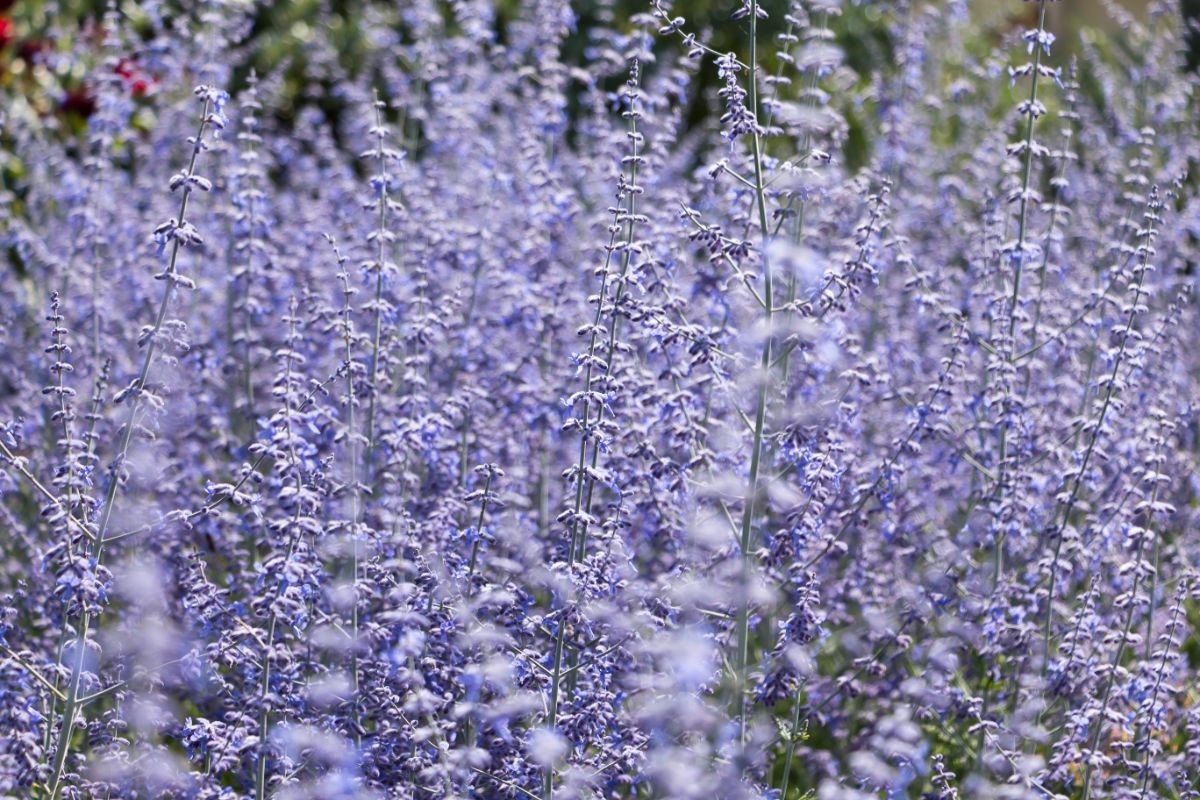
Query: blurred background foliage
50	71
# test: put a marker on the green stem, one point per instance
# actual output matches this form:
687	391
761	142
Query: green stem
578	532
756	447
1119	656
487	487
1015	299
381	239
260	780
1162	668
71	705
1087	455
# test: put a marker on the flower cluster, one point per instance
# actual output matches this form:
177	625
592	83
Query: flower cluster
518	402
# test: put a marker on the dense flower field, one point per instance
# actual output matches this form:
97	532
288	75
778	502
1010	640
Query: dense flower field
509	433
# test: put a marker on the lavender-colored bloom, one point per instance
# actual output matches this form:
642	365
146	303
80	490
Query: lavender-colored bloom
494	401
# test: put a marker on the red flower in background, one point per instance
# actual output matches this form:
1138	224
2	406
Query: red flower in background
138	82
6	31
79	101
125	68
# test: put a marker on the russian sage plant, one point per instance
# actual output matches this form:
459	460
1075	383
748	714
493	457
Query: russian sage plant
786	399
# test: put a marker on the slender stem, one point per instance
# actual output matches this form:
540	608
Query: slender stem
764	384
578	529
1077	484
71	704
260	780
1022	217
1120	654
54	499
352	441
483	501
381	240
66	417
247	318
472	732
1158	680
1014	300
96	324
1043	268
20	662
